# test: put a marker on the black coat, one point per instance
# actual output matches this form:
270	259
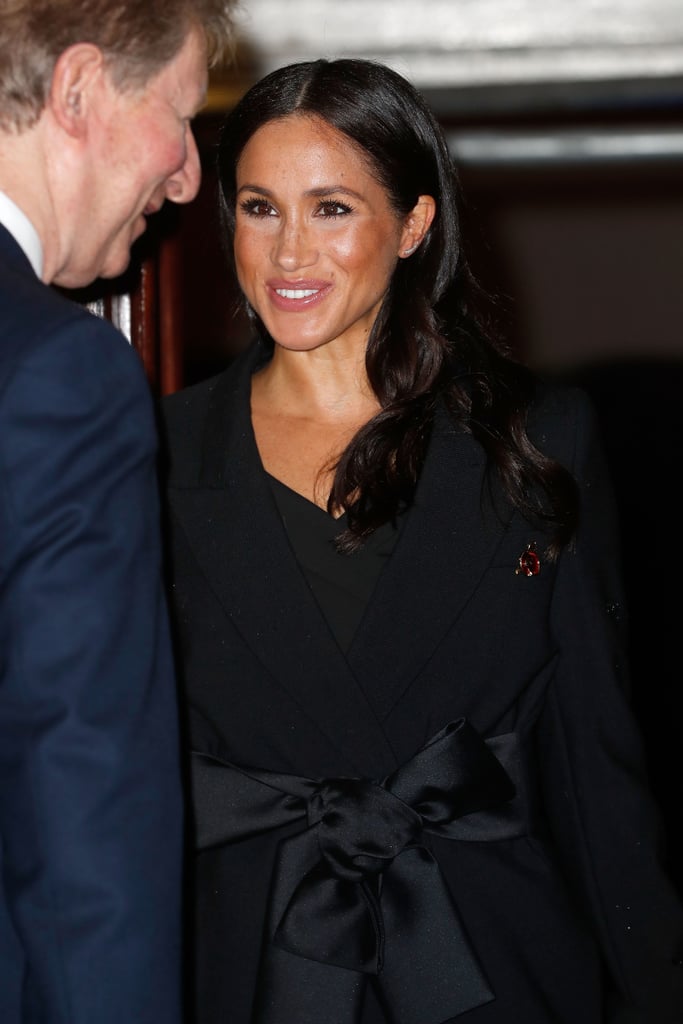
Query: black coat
567	918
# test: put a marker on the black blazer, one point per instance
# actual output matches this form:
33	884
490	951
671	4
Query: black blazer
567	919
91	818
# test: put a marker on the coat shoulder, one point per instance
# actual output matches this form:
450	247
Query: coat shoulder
182	428
189	415
39	326
561	421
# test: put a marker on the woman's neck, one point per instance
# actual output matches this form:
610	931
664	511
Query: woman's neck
319	386
305	409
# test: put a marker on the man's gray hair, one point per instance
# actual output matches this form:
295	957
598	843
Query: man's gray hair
137	37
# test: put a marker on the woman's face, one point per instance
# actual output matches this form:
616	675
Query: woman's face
316	239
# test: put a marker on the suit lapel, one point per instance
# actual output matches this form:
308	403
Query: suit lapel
11	251
448	540
233	527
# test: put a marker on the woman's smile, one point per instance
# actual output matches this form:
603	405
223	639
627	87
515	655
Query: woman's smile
298	296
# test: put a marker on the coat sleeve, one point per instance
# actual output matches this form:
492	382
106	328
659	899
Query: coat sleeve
90	796
596	797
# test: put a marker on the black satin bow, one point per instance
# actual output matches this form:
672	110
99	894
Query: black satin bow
358	893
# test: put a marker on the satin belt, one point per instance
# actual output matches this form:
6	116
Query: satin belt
358	894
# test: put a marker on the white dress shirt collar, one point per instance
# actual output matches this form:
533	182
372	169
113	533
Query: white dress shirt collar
23	232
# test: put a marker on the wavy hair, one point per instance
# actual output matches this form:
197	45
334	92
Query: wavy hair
430	341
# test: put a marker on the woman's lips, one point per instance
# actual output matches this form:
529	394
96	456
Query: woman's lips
297	296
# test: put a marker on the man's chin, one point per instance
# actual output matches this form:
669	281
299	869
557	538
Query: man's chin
115	268
82	276
110	261
117	258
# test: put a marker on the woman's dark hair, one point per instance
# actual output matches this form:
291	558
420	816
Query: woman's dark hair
429	341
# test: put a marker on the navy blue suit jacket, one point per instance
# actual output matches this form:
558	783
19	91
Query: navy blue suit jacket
90	795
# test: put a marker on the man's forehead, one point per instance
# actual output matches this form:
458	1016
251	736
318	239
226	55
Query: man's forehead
187	72
183	78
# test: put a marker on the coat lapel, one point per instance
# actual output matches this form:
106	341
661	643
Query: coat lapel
232	524
449	538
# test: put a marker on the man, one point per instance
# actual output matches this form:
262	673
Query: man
96	100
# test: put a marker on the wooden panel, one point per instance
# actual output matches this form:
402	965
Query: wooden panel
143	303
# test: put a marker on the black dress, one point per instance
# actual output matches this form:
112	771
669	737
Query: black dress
342	584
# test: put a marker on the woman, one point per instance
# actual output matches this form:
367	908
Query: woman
418	789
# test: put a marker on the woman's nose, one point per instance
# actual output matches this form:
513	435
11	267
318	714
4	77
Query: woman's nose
294	247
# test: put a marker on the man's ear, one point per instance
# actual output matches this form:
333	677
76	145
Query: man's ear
75	75
416	225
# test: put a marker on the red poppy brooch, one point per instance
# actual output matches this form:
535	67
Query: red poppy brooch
529	563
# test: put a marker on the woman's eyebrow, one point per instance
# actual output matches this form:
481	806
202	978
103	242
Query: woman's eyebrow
317	193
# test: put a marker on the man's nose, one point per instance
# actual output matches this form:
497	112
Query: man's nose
183	185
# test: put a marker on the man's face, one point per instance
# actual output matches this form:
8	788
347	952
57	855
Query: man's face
140	152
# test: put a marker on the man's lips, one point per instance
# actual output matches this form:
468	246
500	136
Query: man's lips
151	208
293	296
140	223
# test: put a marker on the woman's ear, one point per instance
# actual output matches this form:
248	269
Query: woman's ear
416	225
73	78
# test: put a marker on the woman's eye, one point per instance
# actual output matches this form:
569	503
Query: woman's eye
330	208
257	208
